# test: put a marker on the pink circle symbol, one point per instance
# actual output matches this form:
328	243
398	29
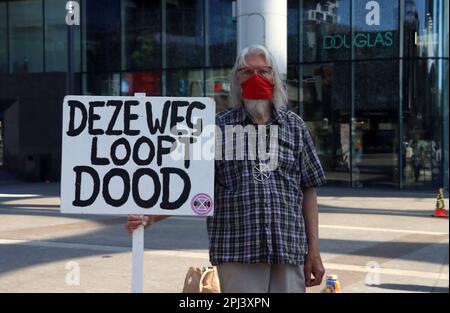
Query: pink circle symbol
201	204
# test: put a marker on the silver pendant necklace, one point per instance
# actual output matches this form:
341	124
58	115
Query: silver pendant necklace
261	171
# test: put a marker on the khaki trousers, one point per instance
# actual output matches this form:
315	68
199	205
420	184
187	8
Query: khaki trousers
261	278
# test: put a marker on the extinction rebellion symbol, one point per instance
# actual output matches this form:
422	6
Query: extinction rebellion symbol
201	204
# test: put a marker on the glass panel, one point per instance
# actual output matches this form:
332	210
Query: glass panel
1	143
184	83
148	82
26	36
445	119
84	42
141	34
423	27
422	130
325	30
3	39
325	99
185	33
102	35
445	35
105	84
218	87
293	88
375	29
293	27
221	33
56	38
375	124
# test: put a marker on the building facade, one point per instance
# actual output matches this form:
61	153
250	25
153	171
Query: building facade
370	78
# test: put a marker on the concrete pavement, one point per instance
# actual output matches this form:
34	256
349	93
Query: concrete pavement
375	241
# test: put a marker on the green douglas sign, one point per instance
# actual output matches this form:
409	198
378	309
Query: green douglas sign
358	40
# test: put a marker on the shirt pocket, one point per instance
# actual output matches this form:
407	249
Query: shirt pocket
288	160
230	174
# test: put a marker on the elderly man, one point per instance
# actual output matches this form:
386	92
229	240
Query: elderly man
263	236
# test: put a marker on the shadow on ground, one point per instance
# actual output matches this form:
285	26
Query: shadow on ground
411	288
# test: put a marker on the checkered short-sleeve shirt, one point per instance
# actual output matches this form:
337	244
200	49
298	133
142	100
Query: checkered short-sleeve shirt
262	221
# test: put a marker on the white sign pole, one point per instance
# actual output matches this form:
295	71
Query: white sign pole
138	251
138	260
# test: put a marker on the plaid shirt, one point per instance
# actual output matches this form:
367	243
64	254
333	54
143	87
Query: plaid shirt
262	221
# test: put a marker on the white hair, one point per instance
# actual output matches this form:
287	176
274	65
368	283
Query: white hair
279	98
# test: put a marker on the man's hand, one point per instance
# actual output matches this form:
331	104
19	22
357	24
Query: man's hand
313	263
134	221
313	268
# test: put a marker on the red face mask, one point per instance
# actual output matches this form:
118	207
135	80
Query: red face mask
257	87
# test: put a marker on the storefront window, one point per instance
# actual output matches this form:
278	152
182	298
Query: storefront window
422	129
325	106
325	30
184	83
445	14
56	38
26	36
374	99
141	82
293	30
375	29
1	143
445	119
3	38
221	33
218	87
375	129
185	33
293	83
425	28
425	93
101	47
107	84
141	34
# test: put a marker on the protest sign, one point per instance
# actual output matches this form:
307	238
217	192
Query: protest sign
138	155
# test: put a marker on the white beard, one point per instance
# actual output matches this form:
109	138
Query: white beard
257	108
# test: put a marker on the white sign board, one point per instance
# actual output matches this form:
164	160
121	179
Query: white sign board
138	155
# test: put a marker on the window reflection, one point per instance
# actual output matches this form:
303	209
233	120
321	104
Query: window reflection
375	27
423	27
222	33
422	142
293	88
293	29
56	38
375	125
1	143
3	39
184	83
445	29
105	84
326	108
218	87
145	82
141	36
184	33
102	35
26	36
325	26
